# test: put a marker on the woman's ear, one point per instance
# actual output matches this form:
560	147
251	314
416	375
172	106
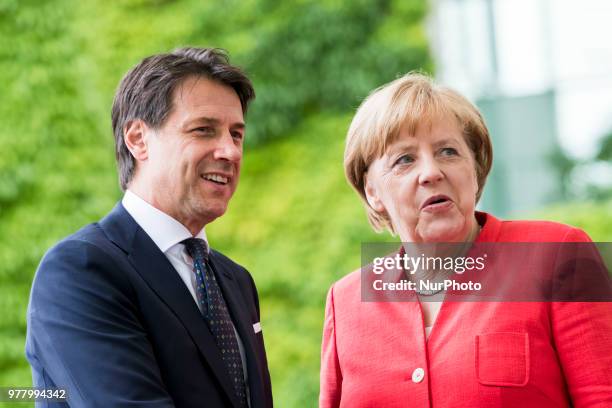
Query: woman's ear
372	195
135	139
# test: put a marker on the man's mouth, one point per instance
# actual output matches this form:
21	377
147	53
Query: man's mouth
216	178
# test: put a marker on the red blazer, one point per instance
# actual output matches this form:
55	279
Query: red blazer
479	354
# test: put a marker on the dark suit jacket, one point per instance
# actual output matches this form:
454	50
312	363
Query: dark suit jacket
111	321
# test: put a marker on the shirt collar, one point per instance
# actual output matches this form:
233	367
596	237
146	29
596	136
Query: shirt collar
164	230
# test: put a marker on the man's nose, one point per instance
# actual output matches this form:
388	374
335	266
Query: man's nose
430	172
228	148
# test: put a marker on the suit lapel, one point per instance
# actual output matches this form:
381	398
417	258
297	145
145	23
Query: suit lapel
160	275
242	321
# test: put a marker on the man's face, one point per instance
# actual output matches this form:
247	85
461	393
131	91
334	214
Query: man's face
194	158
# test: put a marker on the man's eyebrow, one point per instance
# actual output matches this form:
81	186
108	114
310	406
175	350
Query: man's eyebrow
203	119
212	122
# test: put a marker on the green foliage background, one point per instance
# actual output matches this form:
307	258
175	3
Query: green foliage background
293	222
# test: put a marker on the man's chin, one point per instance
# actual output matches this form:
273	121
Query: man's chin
211	213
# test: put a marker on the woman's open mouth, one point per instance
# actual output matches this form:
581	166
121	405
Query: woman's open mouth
437	203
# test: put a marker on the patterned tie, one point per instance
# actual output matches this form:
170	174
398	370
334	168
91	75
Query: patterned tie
216	314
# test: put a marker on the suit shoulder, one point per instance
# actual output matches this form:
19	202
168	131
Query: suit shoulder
540	231
81	269
79	256
347	286
90	234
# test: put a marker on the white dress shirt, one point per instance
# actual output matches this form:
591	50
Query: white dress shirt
167	233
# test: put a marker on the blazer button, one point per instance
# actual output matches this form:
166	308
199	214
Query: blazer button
417	375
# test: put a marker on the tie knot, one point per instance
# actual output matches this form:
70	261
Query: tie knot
196	248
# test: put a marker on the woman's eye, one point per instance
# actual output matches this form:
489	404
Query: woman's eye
449	151
237	135
405	159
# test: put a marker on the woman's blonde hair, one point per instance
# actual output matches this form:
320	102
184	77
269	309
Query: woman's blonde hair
409	101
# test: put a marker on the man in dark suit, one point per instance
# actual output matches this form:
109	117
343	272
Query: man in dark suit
136	310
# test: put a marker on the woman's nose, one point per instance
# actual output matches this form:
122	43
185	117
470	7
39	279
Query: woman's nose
429	171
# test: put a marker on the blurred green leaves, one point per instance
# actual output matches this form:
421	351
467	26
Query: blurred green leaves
588	178
312	57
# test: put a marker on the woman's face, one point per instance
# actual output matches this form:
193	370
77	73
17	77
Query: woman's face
426	183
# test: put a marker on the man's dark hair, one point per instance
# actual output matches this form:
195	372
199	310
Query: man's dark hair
147	90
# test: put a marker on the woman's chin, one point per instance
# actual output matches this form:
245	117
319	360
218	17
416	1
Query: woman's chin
441	231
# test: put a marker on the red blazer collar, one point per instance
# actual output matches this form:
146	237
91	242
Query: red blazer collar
491	227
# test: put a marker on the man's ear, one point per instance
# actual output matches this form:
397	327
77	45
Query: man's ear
135	138
372	195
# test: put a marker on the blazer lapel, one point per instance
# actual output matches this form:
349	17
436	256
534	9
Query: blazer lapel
158	272
244	326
